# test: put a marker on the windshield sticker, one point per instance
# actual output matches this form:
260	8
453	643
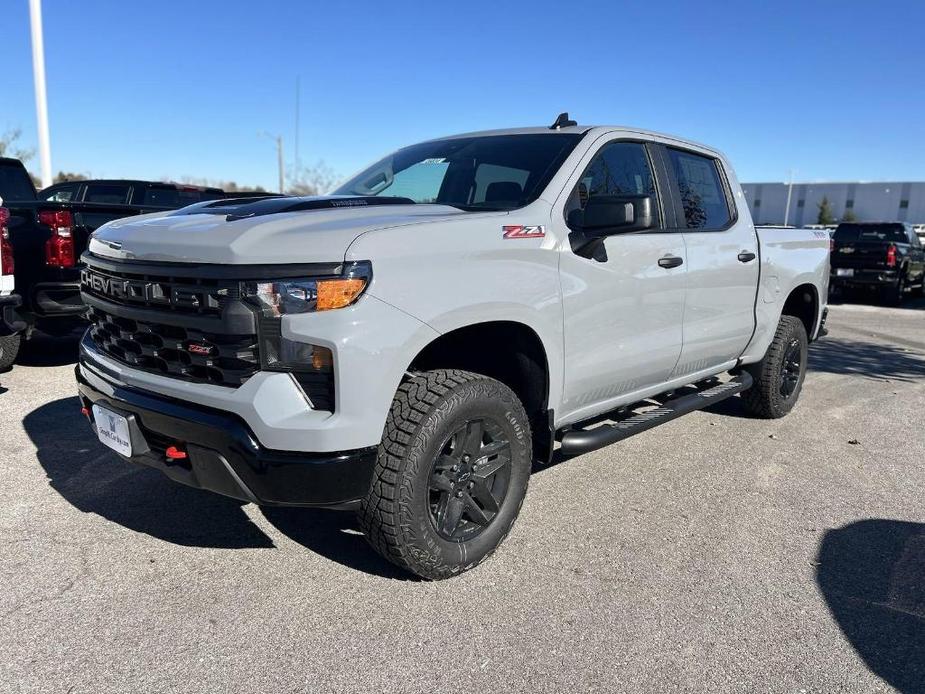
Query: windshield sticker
434	160
523	232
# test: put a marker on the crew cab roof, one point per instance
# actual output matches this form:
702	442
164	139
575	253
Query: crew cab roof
580	130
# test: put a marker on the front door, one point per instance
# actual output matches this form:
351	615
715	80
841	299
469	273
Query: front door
623	309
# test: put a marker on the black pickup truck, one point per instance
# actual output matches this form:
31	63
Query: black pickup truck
883	256
49	230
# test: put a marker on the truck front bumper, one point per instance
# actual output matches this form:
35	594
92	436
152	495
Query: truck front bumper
57	300
223	456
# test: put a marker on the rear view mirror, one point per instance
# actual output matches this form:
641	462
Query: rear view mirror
604	215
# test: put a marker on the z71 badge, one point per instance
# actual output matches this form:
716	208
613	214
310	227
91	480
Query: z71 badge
523	232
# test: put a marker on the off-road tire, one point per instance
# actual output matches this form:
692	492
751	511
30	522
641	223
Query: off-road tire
765	398
396	513
9	349
894	295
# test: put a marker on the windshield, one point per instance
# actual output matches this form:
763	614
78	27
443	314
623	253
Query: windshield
848	233
492	172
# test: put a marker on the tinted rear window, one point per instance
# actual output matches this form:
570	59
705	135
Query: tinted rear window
702	193
888	233
15	184
111	193
169	196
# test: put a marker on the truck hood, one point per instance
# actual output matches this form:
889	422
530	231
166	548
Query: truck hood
267	231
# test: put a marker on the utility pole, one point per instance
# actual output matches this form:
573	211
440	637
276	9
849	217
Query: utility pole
279	157
789	194
41	102
297	85
279	154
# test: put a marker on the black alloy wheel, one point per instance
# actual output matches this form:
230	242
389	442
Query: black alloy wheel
791	368
469	480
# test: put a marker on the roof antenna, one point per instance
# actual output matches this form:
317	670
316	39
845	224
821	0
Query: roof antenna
562	122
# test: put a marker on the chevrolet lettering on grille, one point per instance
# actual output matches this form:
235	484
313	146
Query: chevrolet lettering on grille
156	293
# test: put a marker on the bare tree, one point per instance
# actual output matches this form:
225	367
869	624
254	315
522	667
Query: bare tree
8	147
63	176
227	186
311	180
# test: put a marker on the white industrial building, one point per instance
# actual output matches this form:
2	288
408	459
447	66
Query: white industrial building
870	202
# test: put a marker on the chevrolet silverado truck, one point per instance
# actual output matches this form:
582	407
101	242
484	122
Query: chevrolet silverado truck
463	309
48	231
887	257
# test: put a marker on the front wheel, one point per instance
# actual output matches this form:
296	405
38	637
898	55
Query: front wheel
451	473
9	349
779	375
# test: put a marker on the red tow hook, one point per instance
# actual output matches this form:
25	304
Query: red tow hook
174	453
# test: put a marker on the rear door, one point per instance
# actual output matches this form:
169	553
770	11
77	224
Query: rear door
722	261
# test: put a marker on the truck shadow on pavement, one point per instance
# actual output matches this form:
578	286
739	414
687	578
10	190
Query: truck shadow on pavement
872	576
48	350
877	361
335	535
94	480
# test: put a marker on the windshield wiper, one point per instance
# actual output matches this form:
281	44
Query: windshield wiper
474	208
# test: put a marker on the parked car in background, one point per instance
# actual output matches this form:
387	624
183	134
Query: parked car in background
887	257
408	346
920	232
123	192
48	231
10	325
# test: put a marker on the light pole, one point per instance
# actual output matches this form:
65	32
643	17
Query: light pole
41	102
279	157
789	193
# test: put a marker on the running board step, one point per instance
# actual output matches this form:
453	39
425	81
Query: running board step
578	441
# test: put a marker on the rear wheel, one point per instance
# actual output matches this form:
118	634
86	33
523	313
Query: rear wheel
779	375
894	295
451	473
9	349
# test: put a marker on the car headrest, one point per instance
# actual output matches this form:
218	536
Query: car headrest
506	191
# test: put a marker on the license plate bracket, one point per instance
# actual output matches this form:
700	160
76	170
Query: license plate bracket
114	430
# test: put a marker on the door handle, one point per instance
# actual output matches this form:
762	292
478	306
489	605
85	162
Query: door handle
746	257
670	261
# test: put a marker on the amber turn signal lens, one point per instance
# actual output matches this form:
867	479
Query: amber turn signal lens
338	293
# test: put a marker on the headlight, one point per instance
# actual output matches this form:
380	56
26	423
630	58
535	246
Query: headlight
311	365
283	297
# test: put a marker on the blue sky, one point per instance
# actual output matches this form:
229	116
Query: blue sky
834	90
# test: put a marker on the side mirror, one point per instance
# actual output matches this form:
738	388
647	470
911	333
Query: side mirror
604	215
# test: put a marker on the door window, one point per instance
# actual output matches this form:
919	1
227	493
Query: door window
112	193
619	168
63	192
703	195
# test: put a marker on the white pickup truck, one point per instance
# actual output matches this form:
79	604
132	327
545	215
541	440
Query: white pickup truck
412	344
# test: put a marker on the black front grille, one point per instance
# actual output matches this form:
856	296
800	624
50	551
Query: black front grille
191	323
190	295
170	350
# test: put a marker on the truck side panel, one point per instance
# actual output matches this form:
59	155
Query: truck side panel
789	258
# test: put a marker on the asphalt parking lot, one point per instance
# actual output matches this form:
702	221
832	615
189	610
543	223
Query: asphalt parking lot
717	553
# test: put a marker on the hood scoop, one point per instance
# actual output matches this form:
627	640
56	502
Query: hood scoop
245	208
